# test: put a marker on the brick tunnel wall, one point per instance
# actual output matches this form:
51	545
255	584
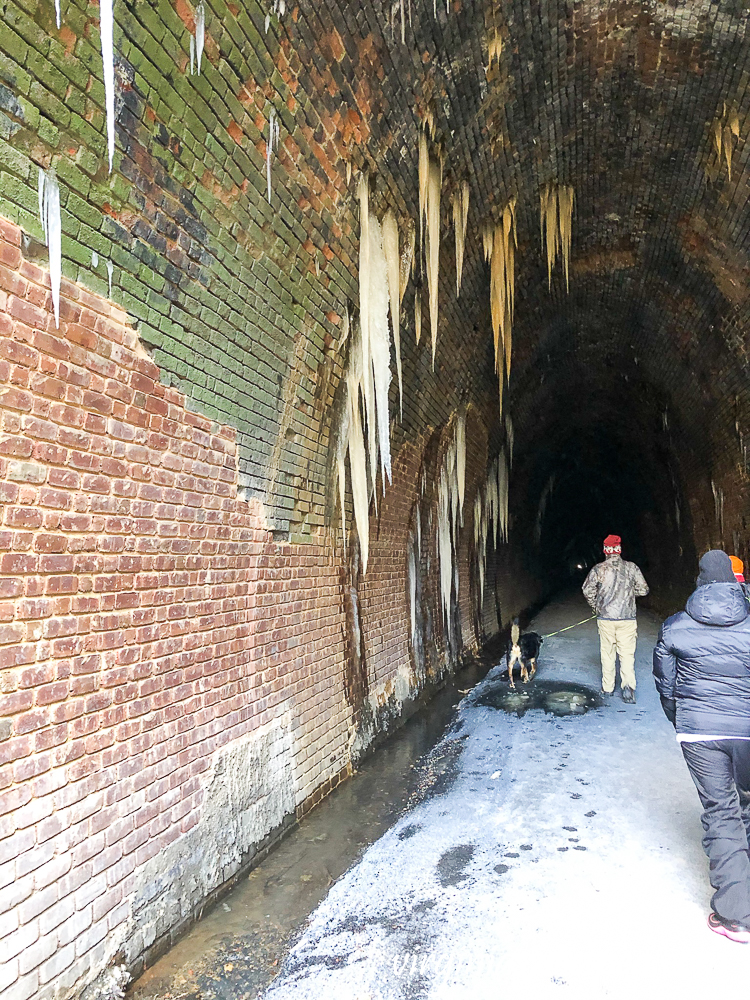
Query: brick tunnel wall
189	656
177	681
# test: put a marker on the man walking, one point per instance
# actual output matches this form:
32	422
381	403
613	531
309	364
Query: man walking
611	589
702	673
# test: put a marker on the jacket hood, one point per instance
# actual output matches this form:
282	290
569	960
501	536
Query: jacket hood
718	604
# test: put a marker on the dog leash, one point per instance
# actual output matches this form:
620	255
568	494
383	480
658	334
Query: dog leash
550	634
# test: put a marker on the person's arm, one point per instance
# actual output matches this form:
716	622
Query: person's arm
665	672
590	587
641	587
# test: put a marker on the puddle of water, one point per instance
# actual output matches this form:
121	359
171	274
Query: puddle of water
236	949
556	697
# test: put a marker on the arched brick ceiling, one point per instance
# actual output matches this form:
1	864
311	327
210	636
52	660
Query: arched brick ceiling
618	100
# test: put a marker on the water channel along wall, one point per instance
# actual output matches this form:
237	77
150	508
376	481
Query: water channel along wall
332	336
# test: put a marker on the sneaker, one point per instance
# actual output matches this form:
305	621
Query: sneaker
731	929
628	695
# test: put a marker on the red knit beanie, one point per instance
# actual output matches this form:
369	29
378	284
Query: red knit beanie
612	544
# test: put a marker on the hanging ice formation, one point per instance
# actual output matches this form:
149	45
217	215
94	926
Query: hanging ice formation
368	378
430	185
110	269
499	249
510	438
491	514
494	48
393	261
555	216
49	212
271	146
407	257
451	484
106	30
461	460
57	12
460	204
725	126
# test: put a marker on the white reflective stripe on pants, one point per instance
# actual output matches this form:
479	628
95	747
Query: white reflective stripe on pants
617	637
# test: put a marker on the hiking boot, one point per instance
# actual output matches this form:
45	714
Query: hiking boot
628	695
731	929
606	694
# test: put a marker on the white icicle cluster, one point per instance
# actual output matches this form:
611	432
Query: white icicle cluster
491	513
271	146
450	511
368	378
49	213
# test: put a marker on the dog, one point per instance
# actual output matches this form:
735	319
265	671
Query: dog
523	649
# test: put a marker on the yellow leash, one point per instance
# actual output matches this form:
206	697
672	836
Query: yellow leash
550	634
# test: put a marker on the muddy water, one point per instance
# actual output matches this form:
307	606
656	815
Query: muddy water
236	949
557	697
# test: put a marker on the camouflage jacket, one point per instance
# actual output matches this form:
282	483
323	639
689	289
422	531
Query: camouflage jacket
612	587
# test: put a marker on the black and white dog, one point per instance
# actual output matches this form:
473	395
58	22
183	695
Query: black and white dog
523	649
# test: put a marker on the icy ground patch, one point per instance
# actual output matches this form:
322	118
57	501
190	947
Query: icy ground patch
561	858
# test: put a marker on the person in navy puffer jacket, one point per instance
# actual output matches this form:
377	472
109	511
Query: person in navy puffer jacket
702	673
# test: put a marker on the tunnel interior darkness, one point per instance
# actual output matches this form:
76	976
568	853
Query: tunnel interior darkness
628	383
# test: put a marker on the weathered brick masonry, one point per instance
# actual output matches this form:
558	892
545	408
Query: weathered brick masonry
189	656
152	631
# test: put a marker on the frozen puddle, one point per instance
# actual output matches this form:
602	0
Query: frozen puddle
557	697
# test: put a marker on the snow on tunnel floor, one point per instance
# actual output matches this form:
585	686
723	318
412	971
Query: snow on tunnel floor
563	859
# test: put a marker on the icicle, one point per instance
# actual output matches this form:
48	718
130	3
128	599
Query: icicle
555	214
57	12
444	544
502	492
49	211
94	259
460	215
424	176
42	214
110	269
499	249
342	444
510	438
192	55
106	30
494	48
368	389
267	22
418	313
200	34
393	261
434	185
412	575
461	460
356	445
407	258
380	344
403	24
271	146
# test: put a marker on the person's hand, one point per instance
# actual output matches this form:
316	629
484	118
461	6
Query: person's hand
670	709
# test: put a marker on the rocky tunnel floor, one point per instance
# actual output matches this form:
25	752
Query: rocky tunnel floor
547	855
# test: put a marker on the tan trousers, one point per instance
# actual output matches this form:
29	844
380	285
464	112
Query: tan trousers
617	637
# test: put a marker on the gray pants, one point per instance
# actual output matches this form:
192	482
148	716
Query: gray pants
720	770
